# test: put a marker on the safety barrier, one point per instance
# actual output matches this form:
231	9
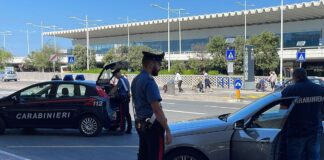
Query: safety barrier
188	81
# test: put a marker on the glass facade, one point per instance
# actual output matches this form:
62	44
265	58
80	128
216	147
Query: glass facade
157	45
312	38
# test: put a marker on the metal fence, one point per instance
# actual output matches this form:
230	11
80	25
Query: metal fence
188	81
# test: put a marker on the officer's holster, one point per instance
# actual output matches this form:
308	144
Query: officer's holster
143	125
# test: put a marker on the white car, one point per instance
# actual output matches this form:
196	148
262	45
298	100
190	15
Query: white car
10	75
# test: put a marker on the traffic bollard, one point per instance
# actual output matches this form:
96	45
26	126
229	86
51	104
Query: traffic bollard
238	94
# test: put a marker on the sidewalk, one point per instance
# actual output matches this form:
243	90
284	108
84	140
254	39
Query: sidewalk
215	95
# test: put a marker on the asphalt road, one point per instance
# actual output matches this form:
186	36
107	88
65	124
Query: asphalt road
67	144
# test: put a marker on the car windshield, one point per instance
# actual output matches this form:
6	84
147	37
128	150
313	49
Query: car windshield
252	107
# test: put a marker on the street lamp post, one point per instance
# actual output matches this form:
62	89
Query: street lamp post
245	8
27	36
179	12
128	21
55	47
86	21
4	34
281	41
167	9
41	26
55	28
127	32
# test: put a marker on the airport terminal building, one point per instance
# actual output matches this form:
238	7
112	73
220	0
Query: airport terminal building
302	22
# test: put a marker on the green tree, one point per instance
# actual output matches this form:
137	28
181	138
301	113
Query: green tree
178	66
217	47
239	49
266	56
39	59
116	54
5	56
80	54
134	56
202	61
92	60
109	57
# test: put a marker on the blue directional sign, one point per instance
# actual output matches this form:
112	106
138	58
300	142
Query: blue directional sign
230	55
70	59
237	84
301	57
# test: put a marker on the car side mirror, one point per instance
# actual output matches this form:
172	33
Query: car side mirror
240	124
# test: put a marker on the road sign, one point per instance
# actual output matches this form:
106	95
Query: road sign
237	84
301	57
53	58
70	59
230	55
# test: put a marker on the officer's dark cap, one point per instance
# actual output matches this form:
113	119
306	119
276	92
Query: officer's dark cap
153	56
116	71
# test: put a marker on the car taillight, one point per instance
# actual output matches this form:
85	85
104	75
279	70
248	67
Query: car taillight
101	92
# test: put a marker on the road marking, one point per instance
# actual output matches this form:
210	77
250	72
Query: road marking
221	107
167	103
10	156
72	146
198	113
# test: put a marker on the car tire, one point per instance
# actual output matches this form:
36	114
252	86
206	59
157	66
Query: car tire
90	126
16	80
185	154
2	126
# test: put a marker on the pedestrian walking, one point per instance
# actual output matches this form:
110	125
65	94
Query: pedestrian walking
200	85
272	79
178	80
303	127
123	99
150	121
206	80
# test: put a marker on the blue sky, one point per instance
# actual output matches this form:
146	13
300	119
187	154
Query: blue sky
14	14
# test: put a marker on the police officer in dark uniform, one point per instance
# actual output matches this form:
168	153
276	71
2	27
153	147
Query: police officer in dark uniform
150	121
123	98
304	125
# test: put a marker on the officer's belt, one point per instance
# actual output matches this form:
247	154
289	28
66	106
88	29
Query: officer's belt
150	120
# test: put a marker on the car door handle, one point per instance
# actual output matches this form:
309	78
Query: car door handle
265	140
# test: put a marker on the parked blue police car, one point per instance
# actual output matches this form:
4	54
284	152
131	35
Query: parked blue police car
66	103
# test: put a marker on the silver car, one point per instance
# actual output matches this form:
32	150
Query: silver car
252	133
10	75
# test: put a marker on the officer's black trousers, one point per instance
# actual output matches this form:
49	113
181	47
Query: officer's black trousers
124	114
151	141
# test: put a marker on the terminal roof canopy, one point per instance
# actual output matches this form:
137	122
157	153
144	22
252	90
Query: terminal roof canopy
293	12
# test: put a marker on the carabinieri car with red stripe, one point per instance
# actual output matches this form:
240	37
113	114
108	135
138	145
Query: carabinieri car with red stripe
69	103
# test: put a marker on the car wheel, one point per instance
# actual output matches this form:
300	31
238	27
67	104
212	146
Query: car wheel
2	126
16	80
185	154
90	126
